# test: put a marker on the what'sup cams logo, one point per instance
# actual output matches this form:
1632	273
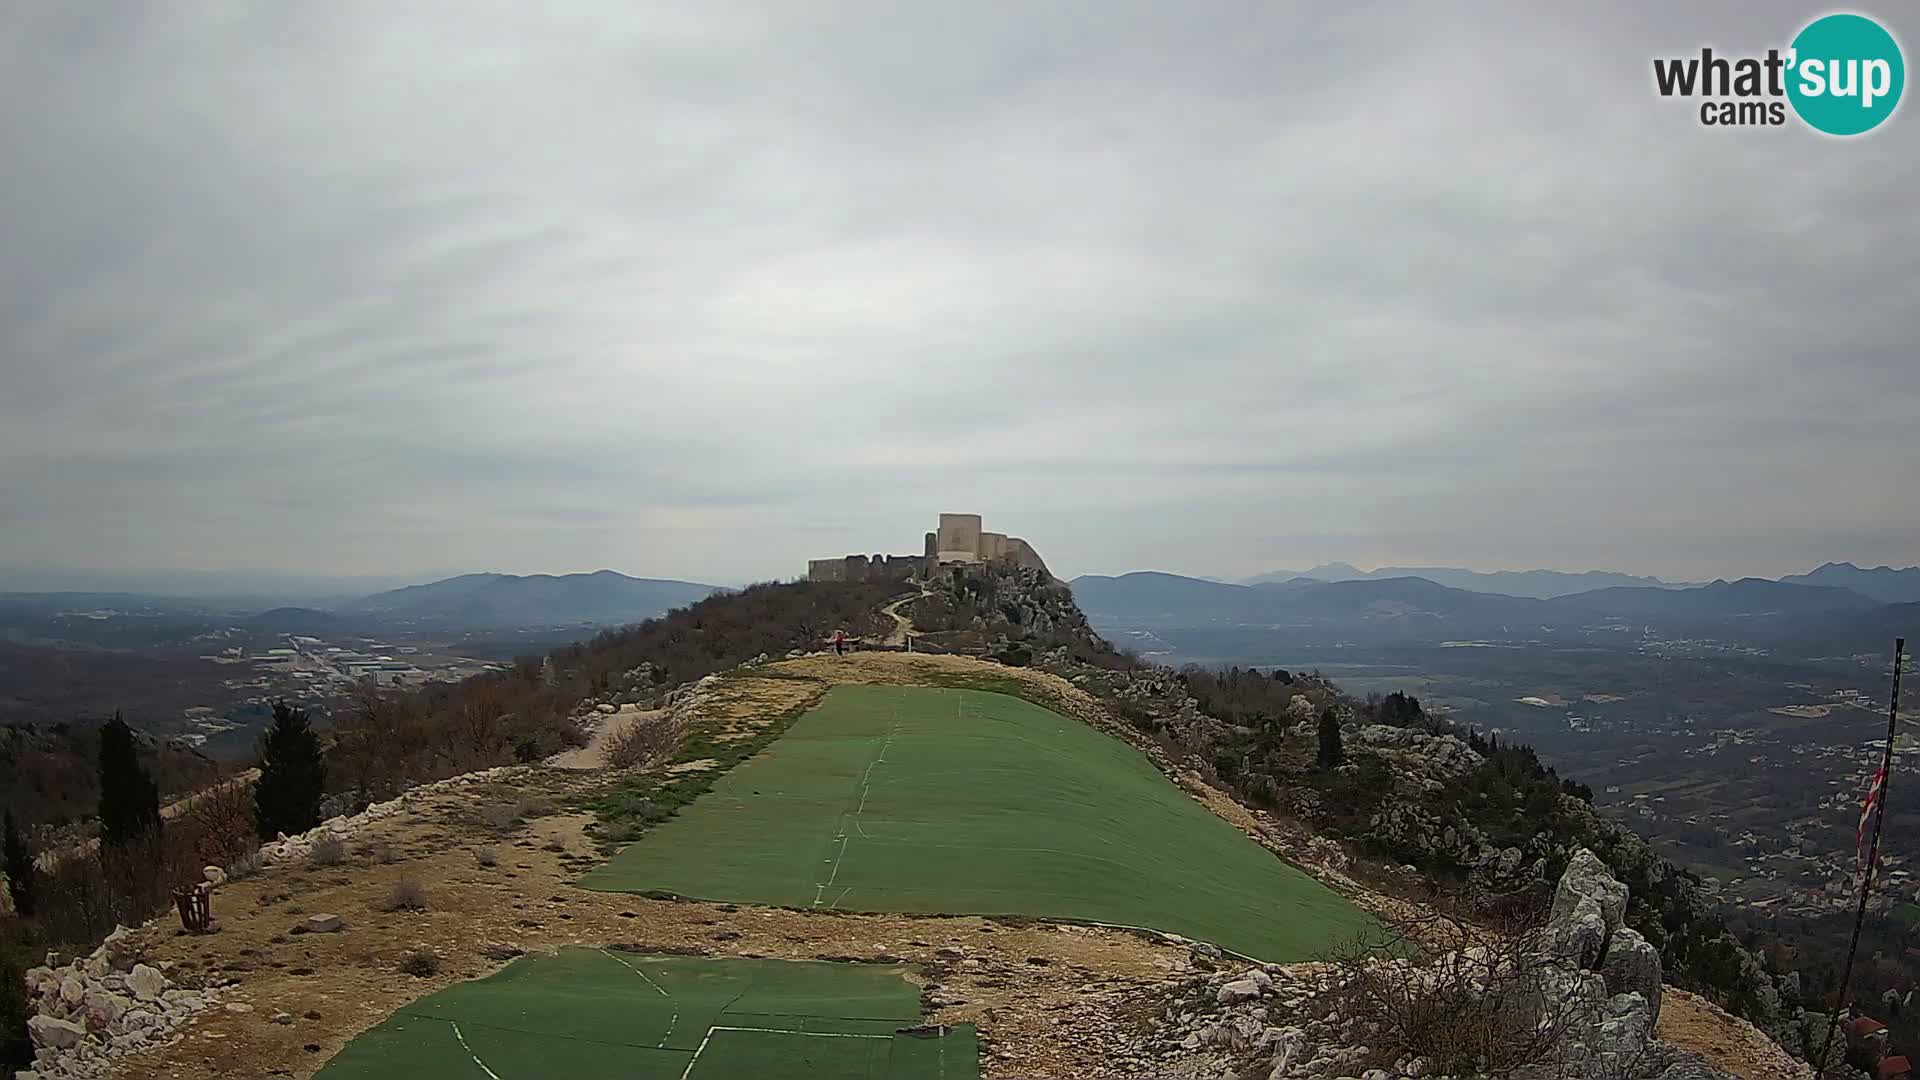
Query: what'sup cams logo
1842	75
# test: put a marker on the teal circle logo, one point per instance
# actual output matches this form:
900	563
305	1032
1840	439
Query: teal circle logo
1845	74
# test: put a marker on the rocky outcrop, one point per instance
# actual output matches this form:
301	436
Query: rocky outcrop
1585	978
95	1009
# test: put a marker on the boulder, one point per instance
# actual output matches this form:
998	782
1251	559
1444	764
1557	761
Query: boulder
104	1008
122	950
214	875
1238	990
73	989
55	1034
1578	937
326	923
146	982
1587	877
1632	966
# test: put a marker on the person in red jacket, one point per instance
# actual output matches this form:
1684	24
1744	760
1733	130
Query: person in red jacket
839	643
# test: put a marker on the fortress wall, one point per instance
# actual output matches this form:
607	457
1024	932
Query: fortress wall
993	545
1021	553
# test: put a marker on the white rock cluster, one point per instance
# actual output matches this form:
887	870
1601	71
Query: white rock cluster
104	1006
286	847
1587	967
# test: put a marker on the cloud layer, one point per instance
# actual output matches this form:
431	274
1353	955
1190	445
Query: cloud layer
367	288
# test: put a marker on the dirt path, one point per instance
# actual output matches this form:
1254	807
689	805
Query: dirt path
902	625
594	754
1691	1022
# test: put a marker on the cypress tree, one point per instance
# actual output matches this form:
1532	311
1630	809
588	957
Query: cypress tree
18	860
1331	752
129	799
293	775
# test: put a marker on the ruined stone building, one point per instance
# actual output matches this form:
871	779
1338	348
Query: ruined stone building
959	539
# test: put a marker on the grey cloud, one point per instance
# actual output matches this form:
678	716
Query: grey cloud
1214	287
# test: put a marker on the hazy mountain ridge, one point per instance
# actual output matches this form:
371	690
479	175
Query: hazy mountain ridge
604	596
1409	607
1883	583
1537	584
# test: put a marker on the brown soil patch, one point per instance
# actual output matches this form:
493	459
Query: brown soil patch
1693	1023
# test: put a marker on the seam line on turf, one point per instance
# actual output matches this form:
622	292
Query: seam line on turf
671	1022
470	1053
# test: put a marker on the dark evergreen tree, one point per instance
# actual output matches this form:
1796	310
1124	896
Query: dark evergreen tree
1331	752
293	775
129	800
18	860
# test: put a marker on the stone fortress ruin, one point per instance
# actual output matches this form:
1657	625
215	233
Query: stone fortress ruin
959	539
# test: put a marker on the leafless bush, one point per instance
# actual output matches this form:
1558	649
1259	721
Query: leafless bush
486	856
1465	998
407	895
644	743
244	867
533	806
420	962
382	852
499	817
220	823
329	850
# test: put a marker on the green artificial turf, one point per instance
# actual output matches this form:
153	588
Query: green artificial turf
918	799
589	1014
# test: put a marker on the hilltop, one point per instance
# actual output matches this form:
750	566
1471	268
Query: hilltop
1418	814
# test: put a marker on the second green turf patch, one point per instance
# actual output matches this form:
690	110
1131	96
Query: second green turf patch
593	1014
917	799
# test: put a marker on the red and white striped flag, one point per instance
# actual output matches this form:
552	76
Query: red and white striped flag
1875	788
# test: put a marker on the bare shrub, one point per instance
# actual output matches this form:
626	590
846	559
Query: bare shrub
644	743
328	850
245	866
486	856
500	817
407	895
1465	998
381	851
421	963
534	806
220	823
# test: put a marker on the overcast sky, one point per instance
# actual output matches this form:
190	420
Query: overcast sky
694	291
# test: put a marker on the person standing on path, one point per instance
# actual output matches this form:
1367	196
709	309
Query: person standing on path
839	643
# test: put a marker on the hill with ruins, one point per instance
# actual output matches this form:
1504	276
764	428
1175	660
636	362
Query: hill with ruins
957	541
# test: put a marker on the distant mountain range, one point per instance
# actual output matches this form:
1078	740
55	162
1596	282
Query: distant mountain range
482	600
1540	584
1883	583
1416	608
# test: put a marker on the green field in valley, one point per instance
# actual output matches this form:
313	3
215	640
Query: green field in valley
591	1014
915	799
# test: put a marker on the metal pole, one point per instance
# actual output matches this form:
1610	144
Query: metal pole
1873	854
